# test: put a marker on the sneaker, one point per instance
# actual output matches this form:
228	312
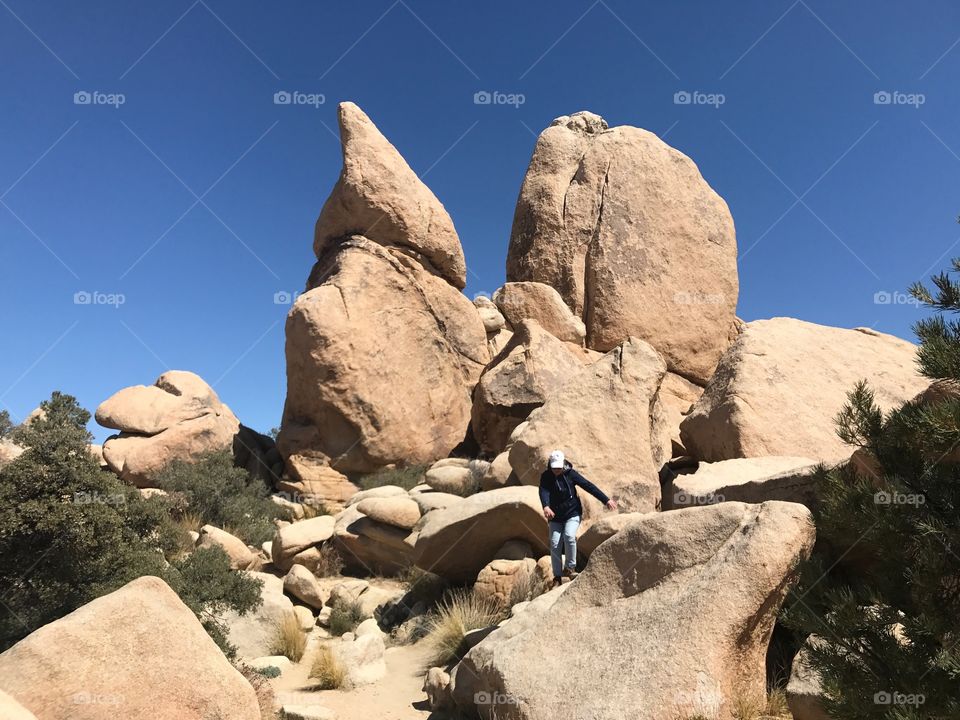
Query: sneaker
557	582
570	573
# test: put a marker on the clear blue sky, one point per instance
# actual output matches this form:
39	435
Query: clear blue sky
835	197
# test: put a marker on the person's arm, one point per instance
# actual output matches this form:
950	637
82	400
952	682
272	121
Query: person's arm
590	488
545	500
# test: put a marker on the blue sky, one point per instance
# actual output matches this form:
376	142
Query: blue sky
194	199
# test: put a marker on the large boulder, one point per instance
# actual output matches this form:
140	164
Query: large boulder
382	358
311	481
633	238
398	512
137	653
240	555
678	396
369	546
179	417
292	539
379	196
457	541
519	301
752	480
10	709
609	422
703	583
531	367
254	633
779	388
602	530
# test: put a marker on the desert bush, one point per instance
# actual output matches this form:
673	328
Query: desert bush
327	669
266	698
345	616
6	424
459	613
289	639
70	533
406	477
213	489
269	671
328	563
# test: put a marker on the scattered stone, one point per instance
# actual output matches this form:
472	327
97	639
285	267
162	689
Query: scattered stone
304	586
240	555
396	511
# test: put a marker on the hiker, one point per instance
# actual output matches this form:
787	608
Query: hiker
563	510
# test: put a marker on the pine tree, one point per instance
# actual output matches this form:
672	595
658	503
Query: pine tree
882	591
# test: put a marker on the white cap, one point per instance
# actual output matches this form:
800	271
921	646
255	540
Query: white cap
557	459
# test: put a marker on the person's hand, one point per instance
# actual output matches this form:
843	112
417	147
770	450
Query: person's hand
611	504
549	514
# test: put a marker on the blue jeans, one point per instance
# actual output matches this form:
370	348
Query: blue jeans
568	531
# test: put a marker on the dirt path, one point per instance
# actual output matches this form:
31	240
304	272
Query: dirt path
397	696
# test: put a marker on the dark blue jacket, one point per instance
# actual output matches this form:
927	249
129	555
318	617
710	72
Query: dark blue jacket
559	492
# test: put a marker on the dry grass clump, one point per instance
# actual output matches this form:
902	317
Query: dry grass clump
289	639
327	669
329	563
455	616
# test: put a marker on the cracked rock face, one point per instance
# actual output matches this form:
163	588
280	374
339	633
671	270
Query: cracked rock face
633	238
382	358
685	601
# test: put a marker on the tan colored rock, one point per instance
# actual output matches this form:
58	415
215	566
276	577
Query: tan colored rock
363	659
304	586
385	554
305	617
457	541
532	366
633	238
804	692
678	396
136	653
751	480
428	501
497	341
311	481
236	549
453	479
519	301
9	451
399	512
254	632
298	536
704	582
180	417
493	320
382	491
608	421
499	474
381	341
436	684
10	709
502	580
379	196
780	386
603	529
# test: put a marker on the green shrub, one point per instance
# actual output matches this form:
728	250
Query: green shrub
345	616
406	477
222	495
6	425
70	533
269	671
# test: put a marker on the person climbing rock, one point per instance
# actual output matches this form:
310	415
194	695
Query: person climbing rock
563	510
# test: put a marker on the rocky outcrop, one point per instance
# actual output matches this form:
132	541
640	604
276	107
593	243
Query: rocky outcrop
372	547
704	582
608	421
519	301
779	388
533	365
633	238
751	480
311	481
457	541
136	653
295	538
380	197
179	417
